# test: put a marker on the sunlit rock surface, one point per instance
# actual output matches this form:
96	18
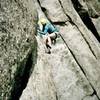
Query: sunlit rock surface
71	71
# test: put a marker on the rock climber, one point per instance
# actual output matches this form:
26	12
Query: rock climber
48	31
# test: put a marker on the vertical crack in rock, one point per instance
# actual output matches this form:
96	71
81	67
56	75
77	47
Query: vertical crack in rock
94	91
39	2
79	5
21	78
70	20
81	34
56	97
85	18
62	7
86	42
42	8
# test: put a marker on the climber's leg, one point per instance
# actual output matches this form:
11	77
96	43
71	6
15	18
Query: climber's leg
53	37
47	42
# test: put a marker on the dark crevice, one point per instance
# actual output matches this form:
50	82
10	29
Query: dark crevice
94	91
76	4
90	95
59	23
88	22
62	7
39	2
70	20
93	94
85	18
43	9
56	97
95	16
21	78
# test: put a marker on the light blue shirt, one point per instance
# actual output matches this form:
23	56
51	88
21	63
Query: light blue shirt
49	28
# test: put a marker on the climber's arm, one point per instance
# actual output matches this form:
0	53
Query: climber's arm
41	32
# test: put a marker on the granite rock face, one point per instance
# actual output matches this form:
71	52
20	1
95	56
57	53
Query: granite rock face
18	21
71	71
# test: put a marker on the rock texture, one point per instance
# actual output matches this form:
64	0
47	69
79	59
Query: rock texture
71	71
89	11
53	6
57	77
94	12
18	20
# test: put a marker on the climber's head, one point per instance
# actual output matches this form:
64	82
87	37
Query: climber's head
43	21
